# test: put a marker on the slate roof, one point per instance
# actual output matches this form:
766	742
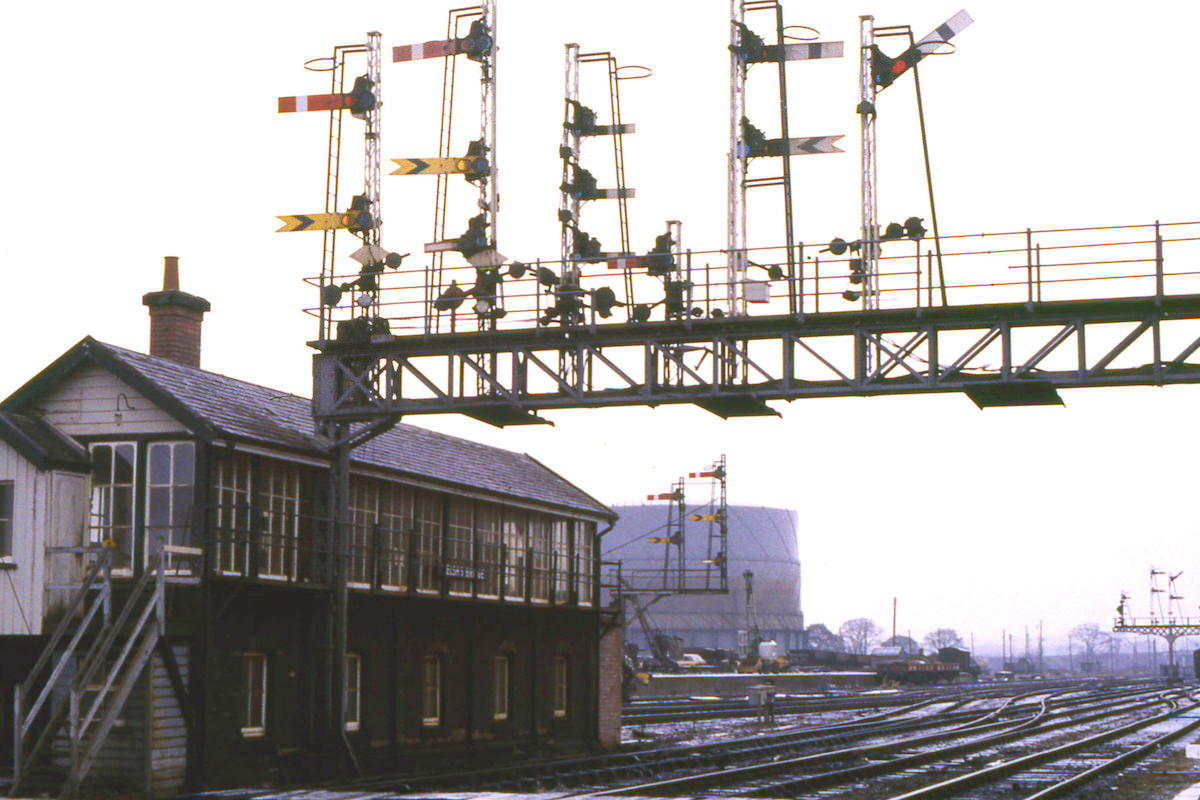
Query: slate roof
218	406
42	444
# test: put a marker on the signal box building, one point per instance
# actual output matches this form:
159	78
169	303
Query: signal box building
471	590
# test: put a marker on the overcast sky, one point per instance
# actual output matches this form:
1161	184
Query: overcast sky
142	129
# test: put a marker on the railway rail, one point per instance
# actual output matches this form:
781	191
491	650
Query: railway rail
954	723
916	759
689	709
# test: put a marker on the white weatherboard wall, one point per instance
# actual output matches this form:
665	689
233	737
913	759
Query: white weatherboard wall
48	508
88	401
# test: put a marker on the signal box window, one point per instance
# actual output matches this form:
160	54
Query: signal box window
6	521
254	714
431	697
560	686
353	717
500	687
169	486
429	540
513	555
112	501
233	515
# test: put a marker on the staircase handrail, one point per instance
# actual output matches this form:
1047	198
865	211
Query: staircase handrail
100	648
97	571
23	721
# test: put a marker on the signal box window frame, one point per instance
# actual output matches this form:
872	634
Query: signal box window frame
254	714
7	514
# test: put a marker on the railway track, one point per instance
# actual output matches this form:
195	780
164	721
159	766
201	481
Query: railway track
691	709
975	752
919	743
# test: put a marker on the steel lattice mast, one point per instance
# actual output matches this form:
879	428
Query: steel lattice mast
735	240
866	114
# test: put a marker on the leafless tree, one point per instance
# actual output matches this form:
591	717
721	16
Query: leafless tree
907	645
1092	638
943	637
821	638
859	634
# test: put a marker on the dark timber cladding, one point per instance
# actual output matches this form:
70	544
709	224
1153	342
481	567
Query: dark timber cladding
473	613
513	374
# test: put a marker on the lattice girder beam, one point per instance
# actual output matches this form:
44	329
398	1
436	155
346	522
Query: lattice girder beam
1018	346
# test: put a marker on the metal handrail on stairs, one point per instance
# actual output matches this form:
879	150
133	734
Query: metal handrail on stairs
97	578
134	645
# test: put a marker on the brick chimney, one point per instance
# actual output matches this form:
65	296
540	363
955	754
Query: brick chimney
175	318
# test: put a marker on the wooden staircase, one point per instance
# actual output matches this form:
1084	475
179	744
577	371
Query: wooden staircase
75	693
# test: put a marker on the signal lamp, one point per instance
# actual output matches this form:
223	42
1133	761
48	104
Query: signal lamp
362	99
450	298
856	270
474	240
775	272
585	246
567	301
749	45
358	218
851	295
583	119
473	166
661	260
546	277
331	294
673	299
718	313
604	300
837	247
366	281
393	259
581	186
894	230
640	312
754	139
516	269
913	228
478	42
487	281
885	70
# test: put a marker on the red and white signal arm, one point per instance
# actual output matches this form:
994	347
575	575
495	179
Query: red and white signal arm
416	52
314	102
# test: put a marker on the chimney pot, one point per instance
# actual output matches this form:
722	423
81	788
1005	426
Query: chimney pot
175	318
170	273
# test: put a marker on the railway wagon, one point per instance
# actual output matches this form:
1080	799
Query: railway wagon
954	655
915	670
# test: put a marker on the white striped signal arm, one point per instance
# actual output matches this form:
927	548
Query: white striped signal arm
944	32
811	50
